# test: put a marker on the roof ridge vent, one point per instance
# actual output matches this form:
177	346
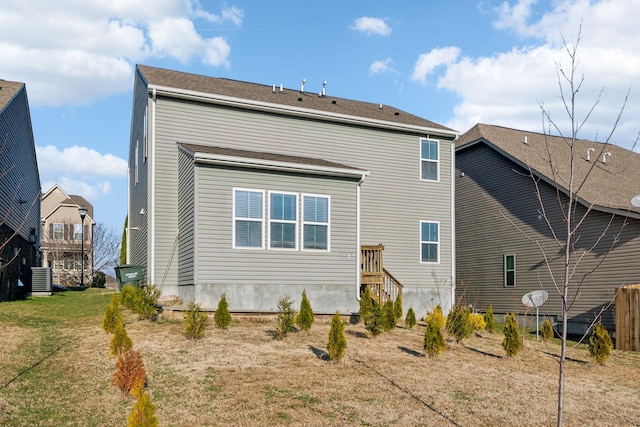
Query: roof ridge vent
589	151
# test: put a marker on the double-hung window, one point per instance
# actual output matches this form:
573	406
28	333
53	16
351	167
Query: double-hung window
429	160
283	224
315	222
58	231
429	241
77	231
248	218
509	271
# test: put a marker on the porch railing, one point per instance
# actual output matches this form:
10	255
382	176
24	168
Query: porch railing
382	284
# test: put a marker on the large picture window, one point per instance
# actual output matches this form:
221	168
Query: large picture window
429	160
315	222
248	214
283	222
429	241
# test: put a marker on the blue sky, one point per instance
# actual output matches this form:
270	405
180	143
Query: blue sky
453	62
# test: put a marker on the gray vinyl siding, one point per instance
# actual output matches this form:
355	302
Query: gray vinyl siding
394	199
186	207
138	233
493	184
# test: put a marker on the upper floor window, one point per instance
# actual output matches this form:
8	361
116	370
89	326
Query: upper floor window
248	214
429	241
509	264
57	232
429	159
283	208
315	222
77	232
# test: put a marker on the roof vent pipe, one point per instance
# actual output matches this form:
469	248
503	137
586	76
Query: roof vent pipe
302	85
604	156
324	88
281	88
274	88
589	150
526	142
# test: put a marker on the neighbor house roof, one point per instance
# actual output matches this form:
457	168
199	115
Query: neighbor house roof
612	172
8	90
262	160
287	99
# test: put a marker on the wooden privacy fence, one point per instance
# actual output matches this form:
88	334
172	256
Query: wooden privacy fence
628	318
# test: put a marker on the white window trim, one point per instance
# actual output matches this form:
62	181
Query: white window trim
427	241
77	226
271	220
53	237
262	220
303	222
437	162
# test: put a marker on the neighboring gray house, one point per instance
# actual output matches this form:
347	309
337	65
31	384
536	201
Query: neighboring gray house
261	192
19	193
497	204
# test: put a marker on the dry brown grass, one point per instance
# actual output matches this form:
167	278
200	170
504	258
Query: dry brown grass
244	376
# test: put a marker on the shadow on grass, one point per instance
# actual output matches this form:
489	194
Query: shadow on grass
320	354
358	334
411	352
570	359
497	356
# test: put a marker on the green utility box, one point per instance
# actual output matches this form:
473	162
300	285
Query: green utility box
128	273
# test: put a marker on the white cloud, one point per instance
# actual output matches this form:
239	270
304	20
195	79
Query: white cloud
379	67
70	52
371	26
82	161
80	188
428	62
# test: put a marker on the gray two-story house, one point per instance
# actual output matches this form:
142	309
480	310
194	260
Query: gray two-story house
19	193
260	192
504	234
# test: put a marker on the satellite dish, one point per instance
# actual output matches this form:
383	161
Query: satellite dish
535	298
636	201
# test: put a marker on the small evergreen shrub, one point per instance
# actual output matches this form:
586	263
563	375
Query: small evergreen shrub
146	302
433	339
410	320
477	321
512	342
304	319
99	280
143	413
547	331
112	315
286	316
374	322
489	319
195	322
388	321
366	305
120	342
222	317
128	296
600	344
459	323
397	305
337	342
436	317
129	371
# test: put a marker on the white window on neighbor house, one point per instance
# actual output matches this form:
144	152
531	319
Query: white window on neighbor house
429	160
509	264
57	231
248	218
315	222
283	220
429	241
77	232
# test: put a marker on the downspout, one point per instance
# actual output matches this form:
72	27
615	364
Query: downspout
151	197
453	223
358	250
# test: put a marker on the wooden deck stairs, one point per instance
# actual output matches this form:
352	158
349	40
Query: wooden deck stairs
383	286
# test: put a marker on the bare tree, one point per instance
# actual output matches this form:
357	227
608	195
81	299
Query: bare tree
106	247
568	183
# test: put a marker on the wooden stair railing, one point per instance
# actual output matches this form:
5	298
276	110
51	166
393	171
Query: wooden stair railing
382	284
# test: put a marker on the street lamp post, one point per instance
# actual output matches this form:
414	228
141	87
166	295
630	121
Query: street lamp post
83	212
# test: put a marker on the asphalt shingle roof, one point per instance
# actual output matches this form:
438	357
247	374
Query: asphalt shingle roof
8	90
288	97
611	184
